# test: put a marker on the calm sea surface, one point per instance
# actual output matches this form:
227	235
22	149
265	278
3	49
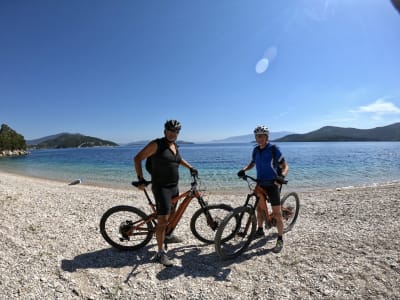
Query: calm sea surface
312	165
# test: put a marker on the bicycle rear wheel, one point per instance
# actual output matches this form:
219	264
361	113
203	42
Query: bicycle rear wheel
235	233
290	210
126	227
205	221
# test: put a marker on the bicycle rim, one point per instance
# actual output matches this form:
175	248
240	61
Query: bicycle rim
235	233
207	220
125	228
290	210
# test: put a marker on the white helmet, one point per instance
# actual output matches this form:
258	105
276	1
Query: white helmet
261	130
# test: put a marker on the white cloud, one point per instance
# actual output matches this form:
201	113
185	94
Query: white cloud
378	109
381	107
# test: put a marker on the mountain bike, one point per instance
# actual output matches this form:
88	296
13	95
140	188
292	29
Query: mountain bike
238	228
130	228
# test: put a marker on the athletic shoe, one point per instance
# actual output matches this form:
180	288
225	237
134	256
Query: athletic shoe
259	233
278	247
172	239
163	259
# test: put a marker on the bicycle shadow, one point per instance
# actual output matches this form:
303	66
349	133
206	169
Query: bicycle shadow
257	244
194	263
109	258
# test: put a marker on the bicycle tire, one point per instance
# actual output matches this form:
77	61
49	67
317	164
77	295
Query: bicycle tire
234	226
290	204
200	226
113	219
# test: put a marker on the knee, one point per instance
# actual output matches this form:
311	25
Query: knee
162	224
277	213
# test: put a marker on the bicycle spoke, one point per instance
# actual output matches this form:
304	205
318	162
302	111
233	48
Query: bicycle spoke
235	233
126	228
205	222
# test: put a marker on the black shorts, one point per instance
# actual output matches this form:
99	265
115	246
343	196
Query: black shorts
274	194
163	197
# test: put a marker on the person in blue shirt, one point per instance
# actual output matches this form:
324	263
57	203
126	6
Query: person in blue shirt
268	180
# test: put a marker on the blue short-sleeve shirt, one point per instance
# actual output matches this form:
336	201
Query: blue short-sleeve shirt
263	158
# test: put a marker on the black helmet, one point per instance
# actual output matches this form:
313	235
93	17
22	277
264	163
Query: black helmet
172	125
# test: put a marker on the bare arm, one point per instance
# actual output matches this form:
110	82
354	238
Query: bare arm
186	164
147	151
285	168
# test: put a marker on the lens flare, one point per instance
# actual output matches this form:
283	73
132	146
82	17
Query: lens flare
262	65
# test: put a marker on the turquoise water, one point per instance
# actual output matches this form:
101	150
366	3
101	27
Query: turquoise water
312	165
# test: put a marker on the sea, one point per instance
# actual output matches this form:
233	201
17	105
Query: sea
313	165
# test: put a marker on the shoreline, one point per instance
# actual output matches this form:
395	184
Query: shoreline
344	245
225	191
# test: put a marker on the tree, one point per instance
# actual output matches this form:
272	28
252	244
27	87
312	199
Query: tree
10	139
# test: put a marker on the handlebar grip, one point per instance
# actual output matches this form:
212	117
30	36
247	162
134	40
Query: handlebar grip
137	183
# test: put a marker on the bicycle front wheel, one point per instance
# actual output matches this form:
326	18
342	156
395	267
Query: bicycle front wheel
126	227
235	233
290	204
205	221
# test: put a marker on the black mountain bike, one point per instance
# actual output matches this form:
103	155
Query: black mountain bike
238	228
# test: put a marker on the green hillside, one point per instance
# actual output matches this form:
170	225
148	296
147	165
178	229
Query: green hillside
68	140
331	134
10	140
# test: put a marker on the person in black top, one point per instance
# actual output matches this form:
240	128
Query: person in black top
165	163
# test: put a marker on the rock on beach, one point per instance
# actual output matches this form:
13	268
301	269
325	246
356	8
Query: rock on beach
345	245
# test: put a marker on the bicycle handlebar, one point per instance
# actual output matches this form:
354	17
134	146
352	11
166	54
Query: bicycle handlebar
146	182
279	179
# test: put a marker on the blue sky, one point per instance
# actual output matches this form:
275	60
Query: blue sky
119	69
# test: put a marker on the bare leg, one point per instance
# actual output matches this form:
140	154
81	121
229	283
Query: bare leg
260	217
261	207
162	222
277	211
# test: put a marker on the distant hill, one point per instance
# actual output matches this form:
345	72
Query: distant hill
331	134
69	140
248	138
43	139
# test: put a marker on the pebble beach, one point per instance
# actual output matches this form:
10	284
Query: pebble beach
345	245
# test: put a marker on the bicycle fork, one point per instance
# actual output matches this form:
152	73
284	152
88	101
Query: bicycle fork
210	221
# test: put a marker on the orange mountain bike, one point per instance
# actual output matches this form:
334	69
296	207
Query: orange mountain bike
238	228
129	228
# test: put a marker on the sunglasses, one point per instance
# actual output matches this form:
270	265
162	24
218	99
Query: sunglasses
174	130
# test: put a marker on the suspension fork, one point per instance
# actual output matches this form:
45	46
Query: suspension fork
203	204
253	208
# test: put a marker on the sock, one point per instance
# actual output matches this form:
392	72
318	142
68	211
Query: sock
280	238
260	229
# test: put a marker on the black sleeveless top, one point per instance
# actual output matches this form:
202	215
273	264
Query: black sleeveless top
165	165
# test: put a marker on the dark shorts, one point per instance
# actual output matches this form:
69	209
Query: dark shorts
163	197
274	194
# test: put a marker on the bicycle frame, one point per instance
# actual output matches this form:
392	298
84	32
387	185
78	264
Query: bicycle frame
255	191
176	214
